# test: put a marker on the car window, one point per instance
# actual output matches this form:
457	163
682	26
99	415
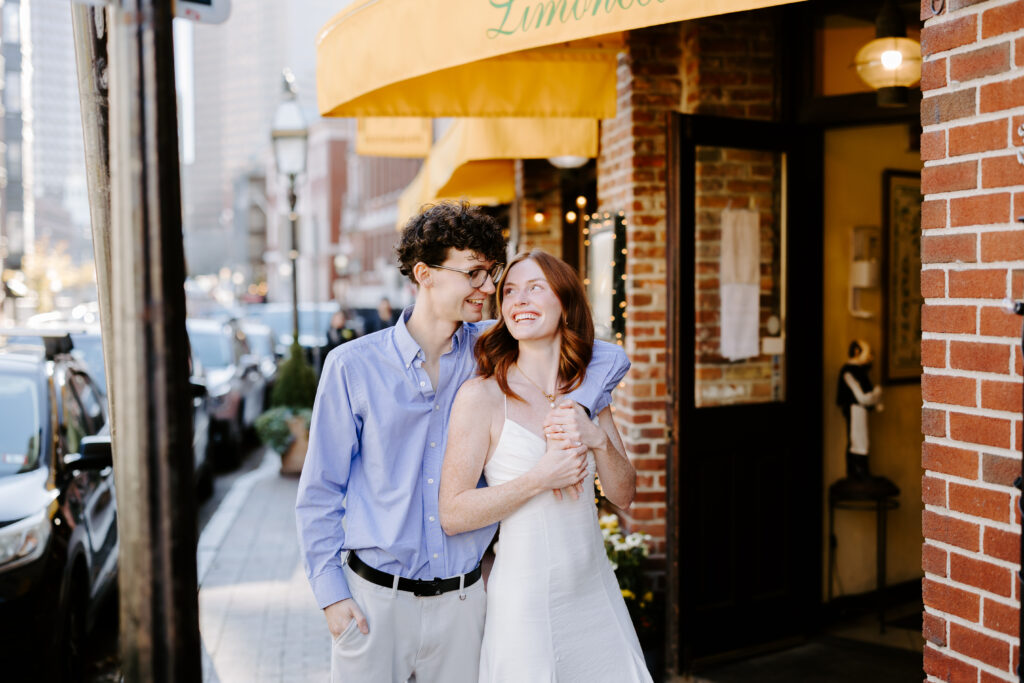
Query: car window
213	349
21	425
89	349
92	408
73	426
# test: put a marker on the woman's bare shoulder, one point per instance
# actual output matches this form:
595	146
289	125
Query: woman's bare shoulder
479	392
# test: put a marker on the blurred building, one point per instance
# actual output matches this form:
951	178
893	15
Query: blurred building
44	186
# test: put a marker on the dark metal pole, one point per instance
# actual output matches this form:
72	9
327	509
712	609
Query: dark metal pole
155	493
293	256
1017	307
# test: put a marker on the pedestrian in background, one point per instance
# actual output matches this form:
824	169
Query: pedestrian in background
386	317
339	332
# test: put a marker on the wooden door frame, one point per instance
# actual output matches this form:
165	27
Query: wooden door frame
680	255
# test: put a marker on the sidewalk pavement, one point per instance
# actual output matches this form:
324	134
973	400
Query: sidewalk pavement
257	617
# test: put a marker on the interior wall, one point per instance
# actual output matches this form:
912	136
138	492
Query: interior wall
854	161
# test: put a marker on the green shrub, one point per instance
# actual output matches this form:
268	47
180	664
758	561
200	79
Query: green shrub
272	426
296	383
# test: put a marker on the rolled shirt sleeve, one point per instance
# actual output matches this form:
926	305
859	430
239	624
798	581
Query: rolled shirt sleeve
320	503
608	365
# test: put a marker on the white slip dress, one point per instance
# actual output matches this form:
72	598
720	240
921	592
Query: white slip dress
554	609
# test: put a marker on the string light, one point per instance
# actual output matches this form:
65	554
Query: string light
570	217
538	217
600	223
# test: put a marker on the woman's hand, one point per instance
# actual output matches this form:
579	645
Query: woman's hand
568	421
562	466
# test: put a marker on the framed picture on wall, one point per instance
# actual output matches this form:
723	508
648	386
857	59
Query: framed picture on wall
901	227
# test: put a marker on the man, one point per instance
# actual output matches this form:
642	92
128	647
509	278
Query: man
406	602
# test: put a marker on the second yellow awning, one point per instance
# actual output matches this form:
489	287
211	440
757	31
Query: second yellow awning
474	160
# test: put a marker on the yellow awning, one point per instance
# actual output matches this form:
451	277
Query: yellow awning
394	136
475	158
486	57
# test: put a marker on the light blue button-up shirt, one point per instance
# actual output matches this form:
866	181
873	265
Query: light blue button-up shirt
377	438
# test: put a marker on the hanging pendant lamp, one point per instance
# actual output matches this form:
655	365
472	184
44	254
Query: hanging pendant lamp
890	63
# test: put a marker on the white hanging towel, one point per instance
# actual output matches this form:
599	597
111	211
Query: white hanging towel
740	283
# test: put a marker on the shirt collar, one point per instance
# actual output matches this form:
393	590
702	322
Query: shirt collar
408	349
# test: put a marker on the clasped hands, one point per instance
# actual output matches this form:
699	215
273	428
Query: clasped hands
570	435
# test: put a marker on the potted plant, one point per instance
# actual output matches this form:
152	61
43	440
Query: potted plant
627	554
285	426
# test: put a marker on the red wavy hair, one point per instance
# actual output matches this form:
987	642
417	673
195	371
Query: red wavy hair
497	350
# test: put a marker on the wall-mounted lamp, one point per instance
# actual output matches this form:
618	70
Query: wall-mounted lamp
890	63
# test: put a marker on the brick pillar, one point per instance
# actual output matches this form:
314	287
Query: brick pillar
971	249
631	178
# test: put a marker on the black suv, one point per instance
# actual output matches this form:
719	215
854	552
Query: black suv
58	514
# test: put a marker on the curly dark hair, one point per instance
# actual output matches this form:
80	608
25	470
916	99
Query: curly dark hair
429	235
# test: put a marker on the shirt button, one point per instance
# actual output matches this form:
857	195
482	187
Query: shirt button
430	481
431	518
408	365
437	407
433	445
435	556
423	384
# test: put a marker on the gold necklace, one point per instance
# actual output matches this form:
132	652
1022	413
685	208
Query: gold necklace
550	397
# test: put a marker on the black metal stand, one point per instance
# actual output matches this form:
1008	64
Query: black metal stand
881	503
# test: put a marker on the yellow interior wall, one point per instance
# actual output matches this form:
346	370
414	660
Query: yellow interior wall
854	161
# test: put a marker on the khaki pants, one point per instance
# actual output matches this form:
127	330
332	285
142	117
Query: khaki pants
412	639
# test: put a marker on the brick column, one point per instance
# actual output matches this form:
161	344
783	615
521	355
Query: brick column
971	248
631	178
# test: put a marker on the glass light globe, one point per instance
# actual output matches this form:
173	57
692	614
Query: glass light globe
891	59
879	67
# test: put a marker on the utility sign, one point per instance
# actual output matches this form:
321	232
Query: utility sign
204	11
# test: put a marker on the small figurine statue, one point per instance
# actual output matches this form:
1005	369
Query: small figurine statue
856	396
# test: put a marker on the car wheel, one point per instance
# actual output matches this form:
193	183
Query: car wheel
224	446
73	642
204	483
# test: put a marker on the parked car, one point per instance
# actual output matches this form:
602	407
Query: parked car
87	348
263	345
58	511
314	319
235	386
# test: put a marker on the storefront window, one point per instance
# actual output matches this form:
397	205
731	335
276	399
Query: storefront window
739	277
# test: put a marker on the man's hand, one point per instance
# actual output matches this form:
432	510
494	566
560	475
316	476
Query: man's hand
570	423
340	614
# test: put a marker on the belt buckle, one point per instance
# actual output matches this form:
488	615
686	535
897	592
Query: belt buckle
425	589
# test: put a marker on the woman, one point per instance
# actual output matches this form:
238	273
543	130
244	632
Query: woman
554	609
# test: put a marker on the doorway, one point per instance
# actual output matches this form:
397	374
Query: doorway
746	345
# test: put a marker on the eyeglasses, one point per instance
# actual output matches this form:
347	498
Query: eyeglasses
478	276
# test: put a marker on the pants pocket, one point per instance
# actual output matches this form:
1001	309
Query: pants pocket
347	633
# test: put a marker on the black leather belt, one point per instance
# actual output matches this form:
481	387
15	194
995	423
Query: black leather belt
418	587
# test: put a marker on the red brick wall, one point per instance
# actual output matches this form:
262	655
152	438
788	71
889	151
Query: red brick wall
971	253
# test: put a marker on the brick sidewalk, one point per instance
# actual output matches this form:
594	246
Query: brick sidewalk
257	615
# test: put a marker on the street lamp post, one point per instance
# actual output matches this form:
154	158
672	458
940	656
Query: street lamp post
289	136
